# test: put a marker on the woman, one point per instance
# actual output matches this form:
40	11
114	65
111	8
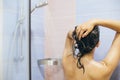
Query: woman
78	58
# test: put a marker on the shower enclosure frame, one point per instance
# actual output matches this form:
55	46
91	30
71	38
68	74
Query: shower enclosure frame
30	77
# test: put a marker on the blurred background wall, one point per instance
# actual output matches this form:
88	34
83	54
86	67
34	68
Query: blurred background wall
37	39
1	37
14	67
60	17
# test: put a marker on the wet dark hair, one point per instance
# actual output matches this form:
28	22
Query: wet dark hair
85	45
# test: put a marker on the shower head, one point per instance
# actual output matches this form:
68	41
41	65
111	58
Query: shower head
39	5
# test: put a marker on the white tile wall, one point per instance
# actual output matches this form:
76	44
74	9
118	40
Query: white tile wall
37	39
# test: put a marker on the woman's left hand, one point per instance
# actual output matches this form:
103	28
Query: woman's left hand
84	29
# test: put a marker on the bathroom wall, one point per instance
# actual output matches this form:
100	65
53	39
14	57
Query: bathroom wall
1	37
59	19
14	67
37	39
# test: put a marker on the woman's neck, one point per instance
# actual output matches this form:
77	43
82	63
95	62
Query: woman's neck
88	57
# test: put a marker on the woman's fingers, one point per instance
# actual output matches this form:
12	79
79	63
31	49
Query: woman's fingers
85	34
80	34
81	30
84	30
78	30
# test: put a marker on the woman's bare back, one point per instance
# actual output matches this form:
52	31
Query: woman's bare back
93	70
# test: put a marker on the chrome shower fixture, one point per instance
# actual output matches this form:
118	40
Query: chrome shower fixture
49	62
39	5
18	30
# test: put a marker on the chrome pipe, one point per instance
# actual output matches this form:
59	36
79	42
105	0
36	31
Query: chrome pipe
49	61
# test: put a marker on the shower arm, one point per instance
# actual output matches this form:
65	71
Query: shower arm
39	5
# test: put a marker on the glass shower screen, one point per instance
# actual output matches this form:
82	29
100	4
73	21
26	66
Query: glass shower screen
15	52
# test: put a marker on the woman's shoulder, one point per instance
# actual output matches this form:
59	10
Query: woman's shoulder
98	70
